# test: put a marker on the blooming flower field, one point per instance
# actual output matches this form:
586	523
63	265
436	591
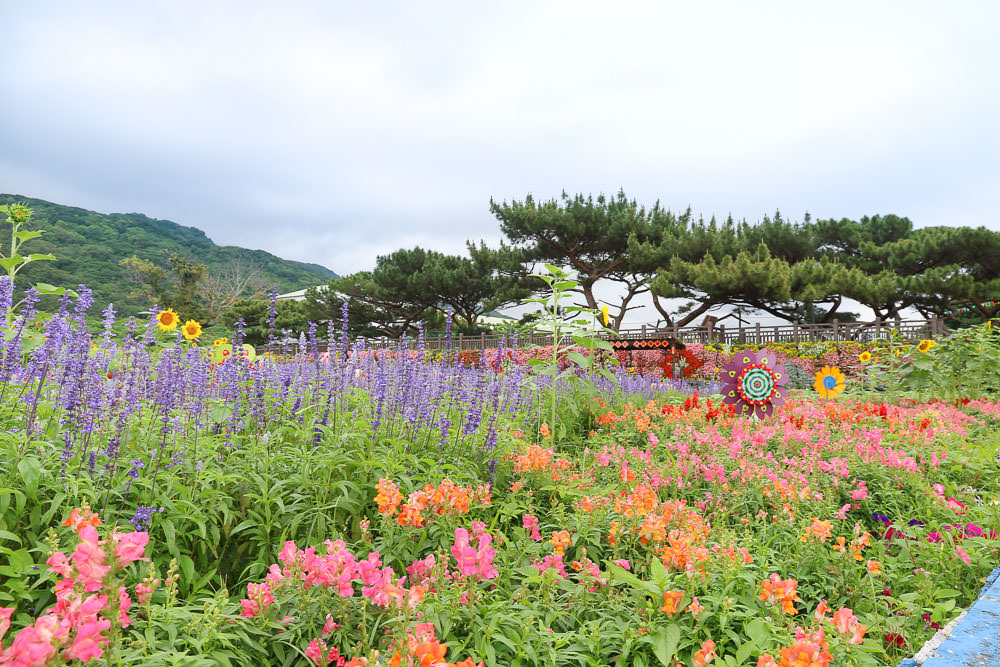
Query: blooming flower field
165	503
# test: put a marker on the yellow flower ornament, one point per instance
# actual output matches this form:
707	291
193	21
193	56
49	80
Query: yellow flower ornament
829	382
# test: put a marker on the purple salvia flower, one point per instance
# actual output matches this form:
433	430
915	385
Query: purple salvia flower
272	314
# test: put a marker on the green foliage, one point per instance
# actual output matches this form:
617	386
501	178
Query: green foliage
90	245
802	272
590	235
293	316
414	285
966	364
19	215
583	330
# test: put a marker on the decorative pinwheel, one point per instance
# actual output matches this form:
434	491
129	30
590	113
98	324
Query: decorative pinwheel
753	383
829	382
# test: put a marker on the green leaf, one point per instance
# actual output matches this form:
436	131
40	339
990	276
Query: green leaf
10	263
171	534
31	473
665	643
52	290
37	256
621	574
187	568
658	573
579	359
27	235
757	631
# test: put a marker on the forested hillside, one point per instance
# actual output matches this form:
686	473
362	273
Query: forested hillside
89	246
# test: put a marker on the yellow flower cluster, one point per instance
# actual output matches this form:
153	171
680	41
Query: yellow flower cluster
167	320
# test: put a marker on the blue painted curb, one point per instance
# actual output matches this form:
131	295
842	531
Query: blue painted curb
975	641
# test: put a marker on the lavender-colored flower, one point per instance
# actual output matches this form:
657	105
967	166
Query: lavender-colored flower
343	329
272	314
143	516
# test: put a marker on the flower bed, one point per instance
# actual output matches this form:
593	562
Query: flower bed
375	509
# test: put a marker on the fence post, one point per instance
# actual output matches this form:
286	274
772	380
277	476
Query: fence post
461	340
675	332
878	328
756	333
644	330
482	340
836	330
743	335
795	332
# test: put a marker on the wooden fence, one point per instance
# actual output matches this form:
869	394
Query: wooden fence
912	330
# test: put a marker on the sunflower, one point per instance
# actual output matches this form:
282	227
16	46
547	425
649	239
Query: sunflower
829	382
925	345
167	320
865	357
191	330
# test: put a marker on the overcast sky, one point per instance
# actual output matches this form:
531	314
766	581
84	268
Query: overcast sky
334	132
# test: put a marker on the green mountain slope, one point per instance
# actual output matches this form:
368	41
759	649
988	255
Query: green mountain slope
88	246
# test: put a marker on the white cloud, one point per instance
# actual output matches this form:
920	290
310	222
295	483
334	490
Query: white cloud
332	133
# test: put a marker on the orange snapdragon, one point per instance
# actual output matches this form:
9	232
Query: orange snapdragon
560	540
670	602
819	530
781	591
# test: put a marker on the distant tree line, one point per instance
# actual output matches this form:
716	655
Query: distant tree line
796	271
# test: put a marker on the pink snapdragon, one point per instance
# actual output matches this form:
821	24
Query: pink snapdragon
846	623
259	599
29	649
89	642
552	562
330	625
5	613
321	656
530	523
124	604
383	588
89	560
130	547
419	568
474	561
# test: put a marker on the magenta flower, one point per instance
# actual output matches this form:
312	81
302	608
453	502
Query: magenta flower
754	383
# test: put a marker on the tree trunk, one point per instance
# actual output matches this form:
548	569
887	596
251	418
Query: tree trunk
660	309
